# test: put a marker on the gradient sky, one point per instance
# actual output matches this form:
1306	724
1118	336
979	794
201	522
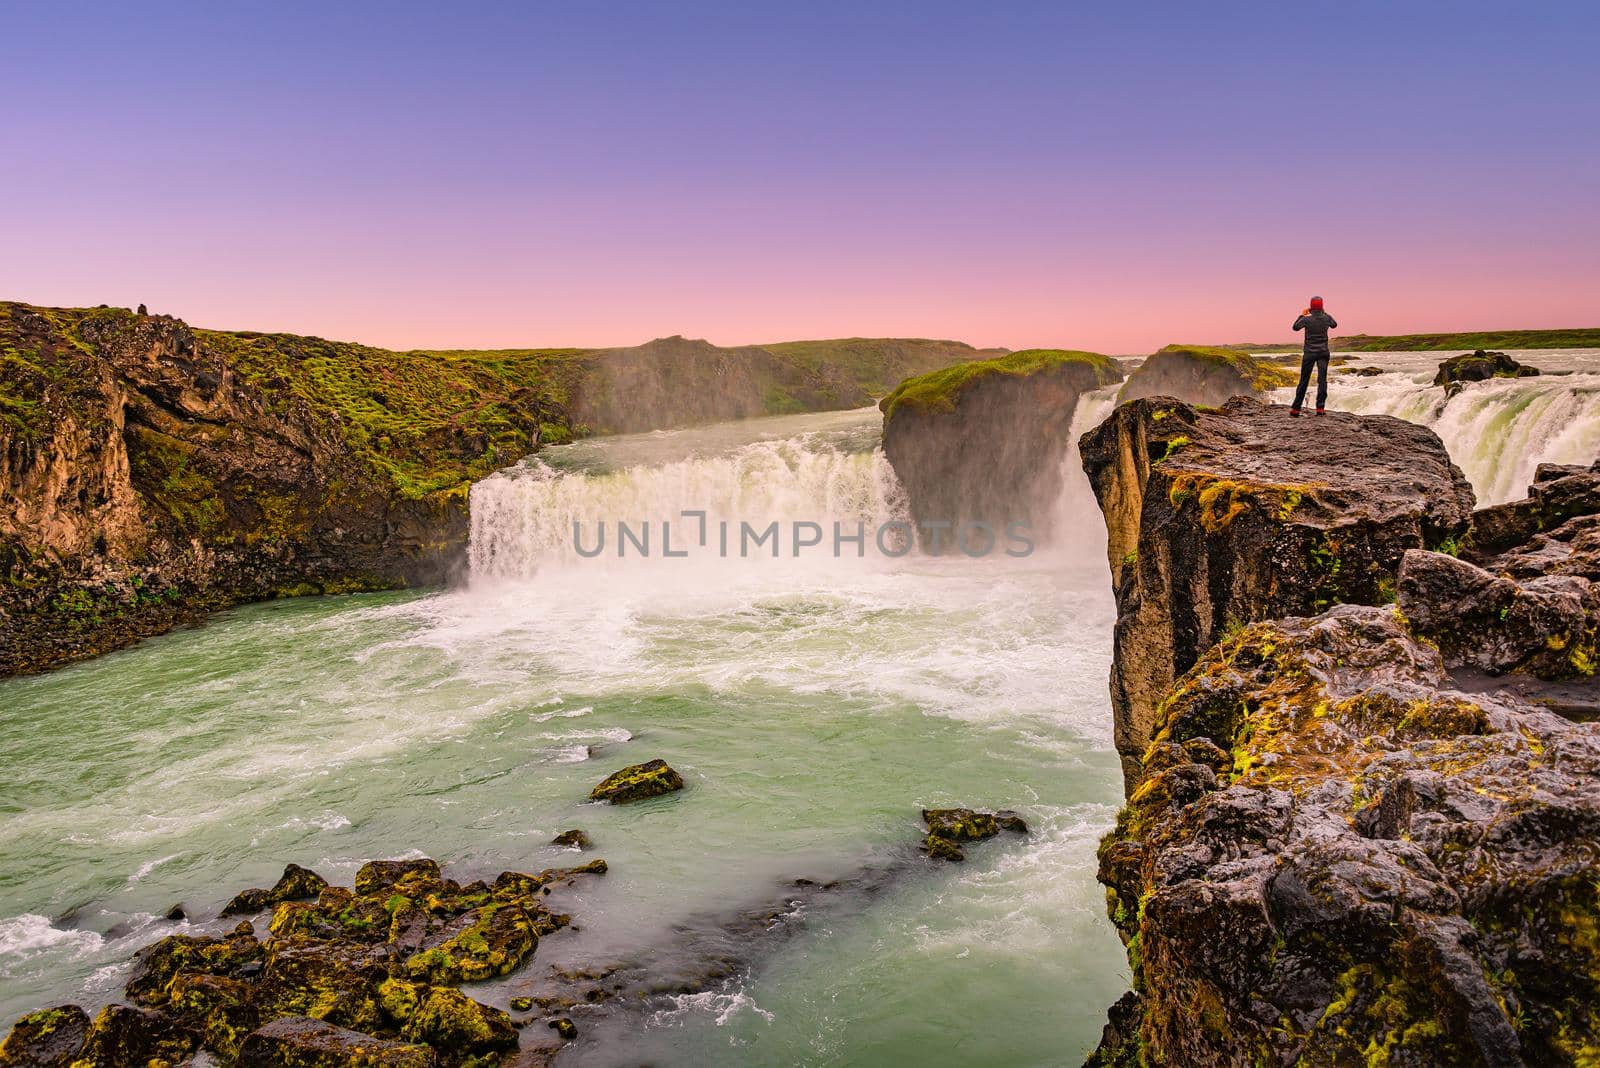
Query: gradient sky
1105	176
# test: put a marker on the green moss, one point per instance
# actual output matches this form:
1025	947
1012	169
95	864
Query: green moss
940	391
1492	339
1261	375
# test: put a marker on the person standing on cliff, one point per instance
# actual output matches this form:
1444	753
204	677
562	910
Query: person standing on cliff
1316	323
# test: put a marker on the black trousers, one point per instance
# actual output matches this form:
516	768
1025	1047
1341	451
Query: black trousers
1319	360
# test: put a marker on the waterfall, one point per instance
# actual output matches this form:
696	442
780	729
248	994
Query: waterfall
523	516
1497	431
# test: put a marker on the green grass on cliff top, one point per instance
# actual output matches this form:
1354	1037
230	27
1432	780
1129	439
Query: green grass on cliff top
1259	373
1578	338
938	391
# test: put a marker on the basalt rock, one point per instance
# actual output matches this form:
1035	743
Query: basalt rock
1200	375
1545	626
573	839
295	883
49	1038
1336	859
980	446
637	782
1220	518
1478	366
1558	494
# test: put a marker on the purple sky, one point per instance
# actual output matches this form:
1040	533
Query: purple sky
1097	176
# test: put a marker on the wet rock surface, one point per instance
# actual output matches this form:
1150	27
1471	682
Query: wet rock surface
295	883
949	827
49	1038
637	782
1220	518
1333	855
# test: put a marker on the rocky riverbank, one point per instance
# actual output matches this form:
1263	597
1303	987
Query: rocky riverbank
1331	854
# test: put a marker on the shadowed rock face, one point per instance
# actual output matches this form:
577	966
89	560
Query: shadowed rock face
1218	519
989	451
1478	366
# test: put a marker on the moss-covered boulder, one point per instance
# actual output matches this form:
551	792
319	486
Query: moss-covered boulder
229	955
1198	374
979	446
637	782
1335	859
49	1038
949	827
301	1042
490	941
1479	366
122	1035
1219	518
295	884
376	876
460	1030
573	839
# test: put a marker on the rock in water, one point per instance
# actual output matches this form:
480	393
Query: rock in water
573	839
637	782
1217	519
1200	375
295	884
376	875
49	1038
301	1042
1478	366
948	827
983	442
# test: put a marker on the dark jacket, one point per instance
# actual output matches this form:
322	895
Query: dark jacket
1316	325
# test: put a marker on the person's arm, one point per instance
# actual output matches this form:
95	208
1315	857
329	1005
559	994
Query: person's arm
1333	324
1300	323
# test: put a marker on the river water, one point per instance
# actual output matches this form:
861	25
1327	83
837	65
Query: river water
813	705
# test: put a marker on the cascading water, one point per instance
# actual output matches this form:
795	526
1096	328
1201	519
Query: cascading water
1497	431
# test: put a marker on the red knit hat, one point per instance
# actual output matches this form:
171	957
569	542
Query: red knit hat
1316	303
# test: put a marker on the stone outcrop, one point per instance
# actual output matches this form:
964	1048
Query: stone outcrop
948	828
1197	374
1216	519
1479	366
1333	853
984	443
365	975
1336	859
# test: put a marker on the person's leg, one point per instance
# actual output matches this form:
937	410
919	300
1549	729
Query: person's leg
1322	383
1305	380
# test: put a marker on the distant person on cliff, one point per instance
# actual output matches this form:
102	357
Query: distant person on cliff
1316	323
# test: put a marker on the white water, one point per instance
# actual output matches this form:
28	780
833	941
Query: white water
1497	431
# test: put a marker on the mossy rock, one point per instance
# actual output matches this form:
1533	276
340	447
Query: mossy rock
48	1038
498	940
459	1029
1200	374
201	954
573	839
941	391
650	779
302	1042
379	875
124	1035
295	884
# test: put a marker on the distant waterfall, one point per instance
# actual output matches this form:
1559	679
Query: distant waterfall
1497	431
522	517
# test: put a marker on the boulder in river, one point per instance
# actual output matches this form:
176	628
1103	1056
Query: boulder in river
980	445
1478	366
637	782
949	827
1198	374
296	883
573	839
1216	519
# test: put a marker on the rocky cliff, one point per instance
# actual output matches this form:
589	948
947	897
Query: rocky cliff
1216	519
150	471
1201	375
984	442
1334	854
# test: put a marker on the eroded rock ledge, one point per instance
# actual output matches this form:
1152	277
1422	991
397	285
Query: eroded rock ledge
1221	517
1333	855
